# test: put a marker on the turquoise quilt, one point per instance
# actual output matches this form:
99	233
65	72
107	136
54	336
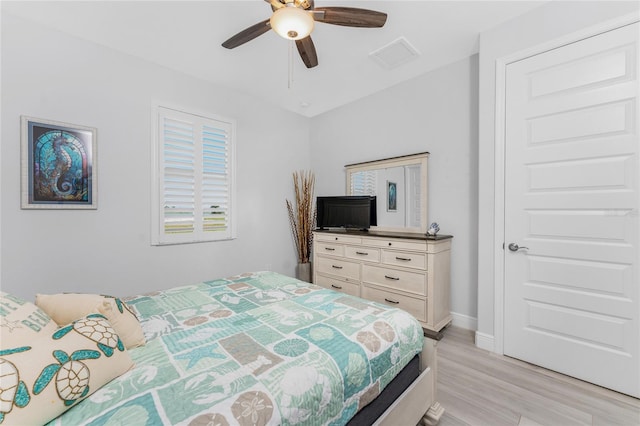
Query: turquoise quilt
255	349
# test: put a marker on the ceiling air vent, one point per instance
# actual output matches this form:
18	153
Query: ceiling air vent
394	54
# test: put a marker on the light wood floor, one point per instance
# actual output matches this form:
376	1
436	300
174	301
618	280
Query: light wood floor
480	388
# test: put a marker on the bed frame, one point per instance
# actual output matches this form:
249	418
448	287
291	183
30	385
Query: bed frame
417	403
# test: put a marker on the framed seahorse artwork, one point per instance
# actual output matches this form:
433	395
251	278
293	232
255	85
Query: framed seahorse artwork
59	165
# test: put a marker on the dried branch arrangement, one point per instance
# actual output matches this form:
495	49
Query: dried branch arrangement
302	217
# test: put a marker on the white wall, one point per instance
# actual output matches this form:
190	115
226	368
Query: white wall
49	75
436	112
544	24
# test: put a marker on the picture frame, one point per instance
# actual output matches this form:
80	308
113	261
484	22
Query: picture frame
58	165
392	196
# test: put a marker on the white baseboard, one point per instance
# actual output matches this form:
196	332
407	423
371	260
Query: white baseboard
485	341
464	321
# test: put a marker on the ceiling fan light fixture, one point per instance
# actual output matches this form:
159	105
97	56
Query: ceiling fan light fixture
292	23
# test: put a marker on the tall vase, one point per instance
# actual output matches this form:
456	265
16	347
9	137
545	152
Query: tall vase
303	271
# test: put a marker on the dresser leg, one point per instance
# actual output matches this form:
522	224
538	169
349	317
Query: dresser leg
433	415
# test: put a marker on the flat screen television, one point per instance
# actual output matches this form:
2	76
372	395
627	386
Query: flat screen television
351	212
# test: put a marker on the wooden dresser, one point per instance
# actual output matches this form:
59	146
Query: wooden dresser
405	270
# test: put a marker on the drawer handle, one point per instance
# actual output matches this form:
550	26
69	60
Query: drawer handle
391	301
362	253
336	286
336	267
406	259
392	278
330	249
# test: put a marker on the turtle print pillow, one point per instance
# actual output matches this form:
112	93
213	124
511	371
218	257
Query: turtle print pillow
21	322
41	380
67	307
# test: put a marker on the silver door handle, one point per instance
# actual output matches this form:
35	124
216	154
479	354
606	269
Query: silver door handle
515	247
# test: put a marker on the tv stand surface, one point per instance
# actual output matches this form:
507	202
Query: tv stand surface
407	270
389	234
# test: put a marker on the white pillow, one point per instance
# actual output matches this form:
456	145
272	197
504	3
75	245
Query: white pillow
21	322
67	307
42	380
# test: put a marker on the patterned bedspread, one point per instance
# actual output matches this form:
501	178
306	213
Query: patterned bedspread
260	348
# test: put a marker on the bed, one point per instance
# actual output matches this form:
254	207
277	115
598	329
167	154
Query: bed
263	348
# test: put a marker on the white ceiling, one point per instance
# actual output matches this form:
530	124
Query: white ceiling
186	36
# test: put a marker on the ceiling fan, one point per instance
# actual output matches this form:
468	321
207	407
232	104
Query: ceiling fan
294	20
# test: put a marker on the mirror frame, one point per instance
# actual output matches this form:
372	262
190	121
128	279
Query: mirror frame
404	160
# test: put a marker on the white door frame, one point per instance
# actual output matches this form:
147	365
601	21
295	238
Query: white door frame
499	152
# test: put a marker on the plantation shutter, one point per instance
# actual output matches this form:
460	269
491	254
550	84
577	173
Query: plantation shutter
215	179
179	183
413	190
194	180
364	183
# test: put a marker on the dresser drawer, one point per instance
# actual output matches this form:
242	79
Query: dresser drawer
367	254
329	249
409	259
412	282
341	268
415	306
396	244
338	285
338	238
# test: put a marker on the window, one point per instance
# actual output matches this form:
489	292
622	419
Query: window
194	185
364	183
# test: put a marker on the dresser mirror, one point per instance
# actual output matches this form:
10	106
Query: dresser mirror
400	187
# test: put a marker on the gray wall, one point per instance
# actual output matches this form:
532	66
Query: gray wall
49	75
436	112
544	24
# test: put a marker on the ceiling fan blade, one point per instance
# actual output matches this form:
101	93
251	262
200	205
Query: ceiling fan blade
351	17
247	34
307	51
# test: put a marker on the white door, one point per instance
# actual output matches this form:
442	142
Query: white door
572	206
